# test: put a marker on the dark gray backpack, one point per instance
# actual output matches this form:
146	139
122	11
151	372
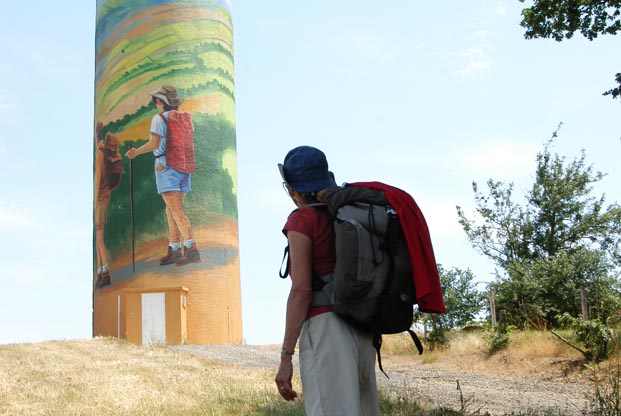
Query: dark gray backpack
372	285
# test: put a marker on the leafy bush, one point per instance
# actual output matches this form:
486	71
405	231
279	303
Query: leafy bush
594	334
498	342
437	339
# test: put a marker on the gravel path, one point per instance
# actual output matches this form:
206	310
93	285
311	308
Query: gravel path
433	385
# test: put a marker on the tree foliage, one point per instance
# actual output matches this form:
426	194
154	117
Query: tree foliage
462	299
560	240
561	19
463	303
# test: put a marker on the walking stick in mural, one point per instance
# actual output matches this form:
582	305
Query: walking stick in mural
131	210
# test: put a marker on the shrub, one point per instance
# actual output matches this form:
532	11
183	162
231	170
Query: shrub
594	334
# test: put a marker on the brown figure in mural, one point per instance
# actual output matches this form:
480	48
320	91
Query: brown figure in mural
108	171
171	141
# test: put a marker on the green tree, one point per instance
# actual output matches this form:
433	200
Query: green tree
462	299
560	19
463	303
562	239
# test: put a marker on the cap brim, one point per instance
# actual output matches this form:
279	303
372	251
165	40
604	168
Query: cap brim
281	169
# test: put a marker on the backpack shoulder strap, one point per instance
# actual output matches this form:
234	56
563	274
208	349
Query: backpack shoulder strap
285	258
163	118
377	343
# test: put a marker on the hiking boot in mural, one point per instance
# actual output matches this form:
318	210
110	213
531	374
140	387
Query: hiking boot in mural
190	255
173	256
105	279
98	281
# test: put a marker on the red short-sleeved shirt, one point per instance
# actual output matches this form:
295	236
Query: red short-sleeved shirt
315	223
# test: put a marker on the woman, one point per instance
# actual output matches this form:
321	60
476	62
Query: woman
171	184
337	361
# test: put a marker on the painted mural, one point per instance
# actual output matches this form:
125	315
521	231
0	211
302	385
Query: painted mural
165	168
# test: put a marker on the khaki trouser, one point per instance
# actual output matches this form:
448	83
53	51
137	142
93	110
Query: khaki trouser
101	210
337	366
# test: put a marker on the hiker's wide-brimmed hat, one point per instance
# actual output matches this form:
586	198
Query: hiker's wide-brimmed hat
112	147
305	169
98	130
168	94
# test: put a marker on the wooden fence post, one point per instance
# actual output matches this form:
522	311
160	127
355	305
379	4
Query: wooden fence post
492	308
583	303
502	322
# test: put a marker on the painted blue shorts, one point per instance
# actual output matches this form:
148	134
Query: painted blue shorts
168	179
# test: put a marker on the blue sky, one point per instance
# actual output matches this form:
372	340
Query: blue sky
425	96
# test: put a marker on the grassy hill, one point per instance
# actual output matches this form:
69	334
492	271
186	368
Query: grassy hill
107	376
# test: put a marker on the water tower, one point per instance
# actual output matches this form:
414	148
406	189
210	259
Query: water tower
166	247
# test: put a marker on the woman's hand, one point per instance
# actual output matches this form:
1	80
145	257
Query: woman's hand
152	144
283	379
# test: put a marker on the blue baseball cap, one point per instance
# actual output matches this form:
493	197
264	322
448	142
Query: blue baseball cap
305	169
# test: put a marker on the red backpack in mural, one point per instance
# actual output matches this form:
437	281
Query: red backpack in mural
180	141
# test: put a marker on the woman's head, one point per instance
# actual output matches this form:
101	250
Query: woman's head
167	94
305	170
99	128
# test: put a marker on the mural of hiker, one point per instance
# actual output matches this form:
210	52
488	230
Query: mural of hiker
172	143
164	87
108	172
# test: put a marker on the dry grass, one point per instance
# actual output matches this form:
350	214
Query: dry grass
536	344
111	377
528	353
398	344
106	376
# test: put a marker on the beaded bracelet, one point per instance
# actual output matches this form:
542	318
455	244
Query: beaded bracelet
287	353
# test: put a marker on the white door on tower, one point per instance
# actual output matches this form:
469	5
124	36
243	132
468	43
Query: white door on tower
153	318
